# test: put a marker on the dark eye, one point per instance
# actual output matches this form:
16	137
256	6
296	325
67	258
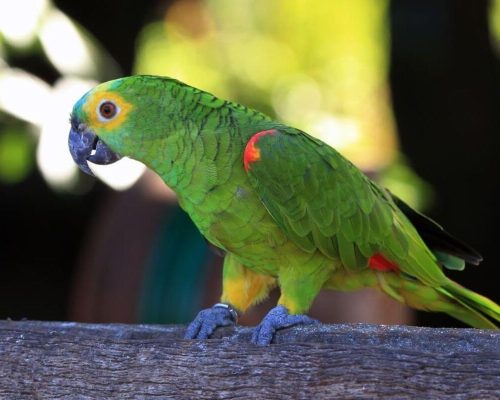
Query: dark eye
107	109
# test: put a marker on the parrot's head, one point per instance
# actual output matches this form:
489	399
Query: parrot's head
112	118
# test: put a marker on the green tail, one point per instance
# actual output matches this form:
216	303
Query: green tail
472	308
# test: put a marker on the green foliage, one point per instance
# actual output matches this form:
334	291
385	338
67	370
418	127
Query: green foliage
16	154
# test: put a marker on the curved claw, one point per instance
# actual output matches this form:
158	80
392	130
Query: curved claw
277	318
208	320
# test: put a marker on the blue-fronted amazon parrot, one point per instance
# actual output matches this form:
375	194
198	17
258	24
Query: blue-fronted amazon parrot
287	210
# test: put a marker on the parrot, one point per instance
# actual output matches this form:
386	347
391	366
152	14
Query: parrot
287	210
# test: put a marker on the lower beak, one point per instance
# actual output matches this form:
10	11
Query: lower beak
86	146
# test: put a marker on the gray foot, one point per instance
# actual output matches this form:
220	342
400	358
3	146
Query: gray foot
277	318
208	320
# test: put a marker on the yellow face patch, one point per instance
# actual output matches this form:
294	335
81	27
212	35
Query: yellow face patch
92	110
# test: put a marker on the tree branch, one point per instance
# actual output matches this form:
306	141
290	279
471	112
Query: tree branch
48	360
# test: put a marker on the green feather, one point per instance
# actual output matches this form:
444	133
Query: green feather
449	261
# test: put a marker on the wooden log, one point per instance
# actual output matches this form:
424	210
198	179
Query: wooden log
53	360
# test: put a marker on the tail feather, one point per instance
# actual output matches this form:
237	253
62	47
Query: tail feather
461	303
475	300
474	309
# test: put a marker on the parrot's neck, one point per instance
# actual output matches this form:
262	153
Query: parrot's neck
203	150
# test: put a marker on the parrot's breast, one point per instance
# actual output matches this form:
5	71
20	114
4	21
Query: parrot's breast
232	217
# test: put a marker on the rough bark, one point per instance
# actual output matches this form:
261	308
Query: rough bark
52	360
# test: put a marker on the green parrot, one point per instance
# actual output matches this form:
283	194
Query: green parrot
287	210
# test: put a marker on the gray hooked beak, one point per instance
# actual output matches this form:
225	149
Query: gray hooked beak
84	145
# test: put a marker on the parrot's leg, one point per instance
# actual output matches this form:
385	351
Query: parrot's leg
299	287
241	288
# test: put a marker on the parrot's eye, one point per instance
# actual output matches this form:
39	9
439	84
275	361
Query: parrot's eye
108	110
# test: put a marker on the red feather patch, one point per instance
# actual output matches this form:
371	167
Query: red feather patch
378	262
252	153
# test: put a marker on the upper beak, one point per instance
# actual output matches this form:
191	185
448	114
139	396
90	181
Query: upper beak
85	145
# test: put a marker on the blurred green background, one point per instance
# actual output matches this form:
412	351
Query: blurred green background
409	91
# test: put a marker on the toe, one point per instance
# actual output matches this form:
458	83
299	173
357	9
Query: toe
301	320
263	335
208	320
277	318
193	329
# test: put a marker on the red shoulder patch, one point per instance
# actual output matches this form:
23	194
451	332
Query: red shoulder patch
378	262
252	153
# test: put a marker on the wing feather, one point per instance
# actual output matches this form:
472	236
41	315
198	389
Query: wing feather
320	200
324	203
